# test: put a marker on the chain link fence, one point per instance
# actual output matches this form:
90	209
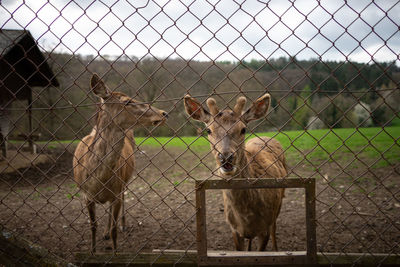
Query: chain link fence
331	69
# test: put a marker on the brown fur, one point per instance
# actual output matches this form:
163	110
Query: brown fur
250	213
253	213
103	162
123	171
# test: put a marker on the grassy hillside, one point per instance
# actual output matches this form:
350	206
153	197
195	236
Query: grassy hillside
377	144
300	90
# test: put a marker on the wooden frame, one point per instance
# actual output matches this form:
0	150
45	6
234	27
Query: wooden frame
256	258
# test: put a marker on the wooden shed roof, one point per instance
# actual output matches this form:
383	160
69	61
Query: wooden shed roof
19	49
8	38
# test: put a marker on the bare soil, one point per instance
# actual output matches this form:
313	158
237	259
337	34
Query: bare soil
358	208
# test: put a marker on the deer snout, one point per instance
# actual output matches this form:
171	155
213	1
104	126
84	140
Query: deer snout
164	114
160	118
225	157
227	165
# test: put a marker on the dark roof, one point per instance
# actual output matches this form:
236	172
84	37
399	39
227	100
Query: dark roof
20	50
8	38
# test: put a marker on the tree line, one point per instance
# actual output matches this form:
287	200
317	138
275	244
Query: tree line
306	94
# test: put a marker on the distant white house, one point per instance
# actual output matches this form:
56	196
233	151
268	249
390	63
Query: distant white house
362	113
315	123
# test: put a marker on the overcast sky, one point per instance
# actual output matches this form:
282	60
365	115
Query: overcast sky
211	29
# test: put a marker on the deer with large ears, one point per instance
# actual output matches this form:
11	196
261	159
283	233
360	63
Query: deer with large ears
103	162
250	213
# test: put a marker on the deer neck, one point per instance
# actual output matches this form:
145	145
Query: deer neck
244	166
108	141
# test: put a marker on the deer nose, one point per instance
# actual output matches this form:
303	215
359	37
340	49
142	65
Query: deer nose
225	157
165	114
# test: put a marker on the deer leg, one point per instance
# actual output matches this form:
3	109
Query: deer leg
249	244
262	241
123	225
116	206
273	236
106	234
238	240
91	206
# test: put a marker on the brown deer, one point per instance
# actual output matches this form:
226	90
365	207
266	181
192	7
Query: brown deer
250	213
103	162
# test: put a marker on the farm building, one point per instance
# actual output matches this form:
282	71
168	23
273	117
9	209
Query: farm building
22	66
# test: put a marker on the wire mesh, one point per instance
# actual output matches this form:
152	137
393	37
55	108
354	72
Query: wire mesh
332	72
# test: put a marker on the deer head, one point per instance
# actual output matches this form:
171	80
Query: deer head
226	129
124	110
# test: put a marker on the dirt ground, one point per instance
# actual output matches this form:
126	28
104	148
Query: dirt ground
17	159
358	208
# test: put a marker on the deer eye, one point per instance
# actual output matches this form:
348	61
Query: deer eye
208	131
243	131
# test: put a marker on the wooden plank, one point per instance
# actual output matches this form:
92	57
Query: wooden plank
182	258
311	226
175	251
253	183
201	221
326	258
239	254
256	258
358	259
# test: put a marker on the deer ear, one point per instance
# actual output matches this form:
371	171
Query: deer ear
196	110
258	109
98	87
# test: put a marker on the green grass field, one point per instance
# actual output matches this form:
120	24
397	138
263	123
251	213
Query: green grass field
324	144
380	144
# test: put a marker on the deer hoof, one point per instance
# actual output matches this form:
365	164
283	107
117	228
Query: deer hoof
106	236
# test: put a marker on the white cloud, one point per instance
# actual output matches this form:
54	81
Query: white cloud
197	29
